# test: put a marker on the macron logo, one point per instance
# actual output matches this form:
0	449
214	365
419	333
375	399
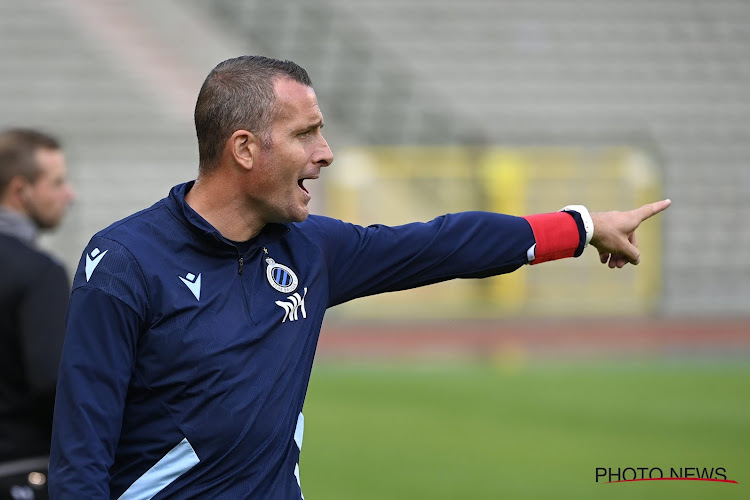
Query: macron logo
193	283
91	263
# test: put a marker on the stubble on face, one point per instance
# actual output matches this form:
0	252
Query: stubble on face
50	194
296	153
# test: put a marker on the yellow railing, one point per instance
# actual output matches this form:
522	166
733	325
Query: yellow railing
394	185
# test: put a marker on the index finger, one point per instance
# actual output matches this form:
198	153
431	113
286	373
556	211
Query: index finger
651	209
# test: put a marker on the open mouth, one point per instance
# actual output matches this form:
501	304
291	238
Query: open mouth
300	183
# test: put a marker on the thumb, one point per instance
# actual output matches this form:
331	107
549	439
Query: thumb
631	252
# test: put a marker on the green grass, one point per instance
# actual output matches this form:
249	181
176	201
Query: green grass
478	432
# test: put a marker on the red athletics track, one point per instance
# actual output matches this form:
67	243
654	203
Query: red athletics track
546	339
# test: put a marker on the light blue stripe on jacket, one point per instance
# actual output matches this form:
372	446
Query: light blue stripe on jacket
178	461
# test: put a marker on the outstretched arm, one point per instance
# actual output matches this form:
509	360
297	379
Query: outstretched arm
614	233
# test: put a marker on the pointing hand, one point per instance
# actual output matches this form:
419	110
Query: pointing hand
614	233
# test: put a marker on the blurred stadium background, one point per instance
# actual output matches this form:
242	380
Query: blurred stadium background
518	386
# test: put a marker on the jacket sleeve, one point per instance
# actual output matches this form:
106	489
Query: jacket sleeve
103	326
42	313
375	259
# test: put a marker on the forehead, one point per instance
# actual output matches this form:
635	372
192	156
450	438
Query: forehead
51	161
295	102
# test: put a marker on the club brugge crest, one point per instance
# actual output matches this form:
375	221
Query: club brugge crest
281	277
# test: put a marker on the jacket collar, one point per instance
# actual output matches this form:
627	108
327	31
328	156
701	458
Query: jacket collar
203	229
18	226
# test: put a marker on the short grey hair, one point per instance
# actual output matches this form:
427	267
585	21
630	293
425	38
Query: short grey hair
239	94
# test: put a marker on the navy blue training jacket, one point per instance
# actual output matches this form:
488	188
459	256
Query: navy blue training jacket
187	356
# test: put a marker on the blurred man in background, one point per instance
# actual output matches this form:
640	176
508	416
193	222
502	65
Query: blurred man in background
34	291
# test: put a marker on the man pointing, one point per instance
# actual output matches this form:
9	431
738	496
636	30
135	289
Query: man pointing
193	324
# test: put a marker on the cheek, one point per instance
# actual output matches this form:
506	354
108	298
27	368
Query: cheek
269	184
52	197
278	178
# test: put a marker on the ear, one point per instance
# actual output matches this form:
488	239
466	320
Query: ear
17	192
244	148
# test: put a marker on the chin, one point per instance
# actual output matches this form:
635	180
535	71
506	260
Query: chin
298	215
47	223
301	217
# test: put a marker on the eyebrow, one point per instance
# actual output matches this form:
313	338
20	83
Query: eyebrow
317	124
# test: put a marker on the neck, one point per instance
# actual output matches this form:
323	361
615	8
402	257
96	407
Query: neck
216	199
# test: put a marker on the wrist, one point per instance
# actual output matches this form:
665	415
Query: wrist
596	219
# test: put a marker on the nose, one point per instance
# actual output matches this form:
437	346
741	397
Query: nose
324	156
70	193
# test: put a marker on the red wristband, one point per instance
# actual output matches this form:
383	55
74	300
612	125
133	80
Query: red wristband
556	236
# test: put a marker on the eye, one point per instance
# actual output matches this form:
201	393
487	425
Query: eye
303	135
